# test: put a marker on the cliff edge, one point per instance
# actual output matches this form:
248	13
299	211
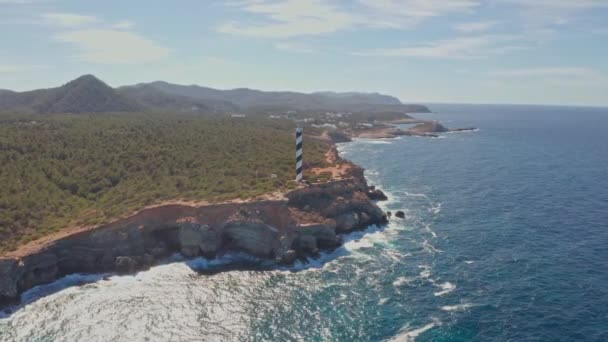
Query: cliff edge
310	219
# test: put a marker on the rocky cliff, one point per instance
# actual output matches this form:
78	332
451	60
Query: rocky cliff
311	219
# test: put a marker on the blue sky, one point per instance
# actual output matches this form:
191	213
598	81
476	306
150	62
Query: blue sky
470	51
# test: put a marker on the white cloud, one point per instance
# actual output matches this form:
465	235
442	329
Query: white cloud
475	27
123	25
69	19
553	12
294	47
543	71
554	76
408	13
469	47
113	46
564	5
290	18
17	2
101	42
18	68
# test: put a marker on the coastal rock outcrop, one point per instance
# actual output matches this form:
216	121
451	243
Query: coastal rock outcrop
199	239
376	195
124	264
424	128
429	127
256	238
9	275
323	235
347	222
309	220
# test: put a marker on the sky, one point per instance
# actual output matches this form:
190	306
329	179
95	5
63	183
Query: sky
451	51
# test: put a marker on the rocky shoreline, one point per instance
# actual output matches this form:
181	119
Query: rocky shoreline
306	221
309	220
422	128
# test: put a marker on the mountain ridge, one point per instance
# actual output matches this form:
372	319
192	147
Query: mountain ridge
81	95
88	94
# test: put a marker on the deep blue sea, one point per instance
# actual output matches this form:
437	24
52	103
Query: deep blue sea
505	239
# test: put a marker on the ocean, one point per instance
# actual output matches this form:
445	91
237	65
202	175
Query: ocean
505	238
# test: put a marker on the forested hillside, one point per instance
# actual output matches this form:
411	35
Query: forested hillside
61	170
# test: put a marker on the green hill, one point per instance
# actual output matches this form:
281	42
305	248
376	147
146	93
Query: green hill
60	170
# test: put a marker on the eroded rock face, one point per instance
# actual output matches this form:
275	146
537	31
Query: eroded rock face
198	239
41	269
324	236
306	245
282	230
124	264
190	238
256	238
8	279
347	222
130	264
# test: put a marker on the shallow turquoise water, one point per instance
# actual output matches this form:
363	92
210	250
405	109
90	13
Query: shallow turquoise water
504	239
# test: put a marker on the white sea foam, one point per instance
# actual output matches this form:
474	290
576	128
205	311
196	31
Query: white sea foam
469	262
373	141
430	248
371	172
380	142
413	194
352	242
427	227
446	288
402	281
459	307
461	132
426	272
66	282
410	335
396	256
382	301
435	208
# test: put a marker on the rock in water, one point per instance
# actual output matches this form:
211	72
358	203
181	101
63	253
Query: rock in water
400	214
377	195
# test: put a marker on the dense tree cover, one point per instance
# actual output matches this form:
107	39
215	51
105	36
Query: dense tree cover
62	170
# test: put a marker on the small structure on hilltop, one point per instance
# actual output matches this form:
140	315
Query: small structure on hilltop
299	157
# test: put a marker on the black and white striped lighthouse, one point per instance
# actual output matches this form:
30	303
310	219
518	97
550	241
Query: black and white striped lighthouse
299	164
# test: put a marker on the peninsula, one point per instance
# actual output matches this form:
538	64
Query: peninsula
116	180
